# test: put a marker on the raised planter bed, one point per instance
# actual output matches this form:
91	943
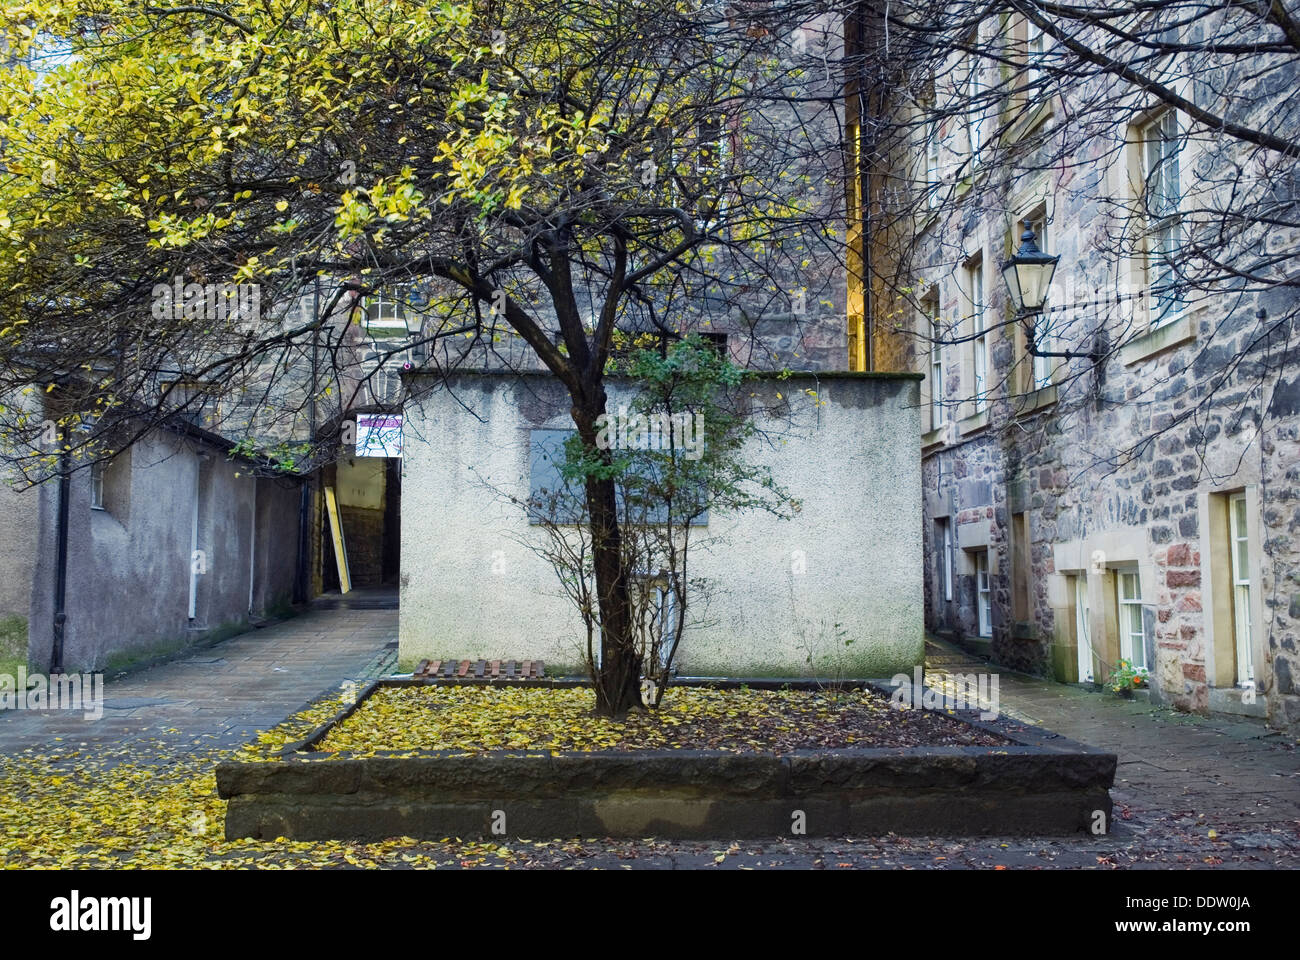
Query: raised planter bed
1034	783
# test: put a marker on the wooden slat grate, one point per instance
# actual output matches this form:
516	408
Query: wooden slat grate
481	670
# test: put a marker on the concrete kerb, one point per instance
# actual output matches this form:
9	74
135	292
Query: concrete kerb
1040	784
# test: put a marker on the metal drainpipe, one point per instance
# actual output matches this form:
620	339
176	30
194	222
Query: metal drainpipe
61	563
865	97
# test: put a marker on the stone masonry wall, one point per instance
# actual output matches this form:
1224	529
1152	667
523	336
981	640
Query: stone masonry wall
1126	464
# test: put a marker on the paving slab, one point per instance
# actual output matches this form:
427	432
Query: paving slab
247	683
1236	773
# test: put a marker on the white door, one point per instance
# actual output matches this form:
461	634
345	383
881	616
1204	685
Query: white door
1083	628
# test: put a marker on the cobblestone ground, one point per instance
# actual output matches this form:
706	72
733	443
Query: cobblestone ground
1190	792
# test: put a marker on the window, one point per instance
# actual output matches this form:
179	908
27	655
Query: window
982	593
1035	47
389	311
110	486
383	376
1132	638
974	109
1162	195
710	146
980	340
710	165
1083	628
97	486
1239	544
718	341
932	177
936	363
658	171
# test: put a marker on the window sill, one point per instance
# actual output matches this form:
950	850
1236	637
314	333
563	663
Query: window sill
1035	400
935	437
1030	119
1165	337
973	424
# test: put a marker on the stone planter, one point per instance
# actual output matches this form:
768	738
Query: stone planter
1040	784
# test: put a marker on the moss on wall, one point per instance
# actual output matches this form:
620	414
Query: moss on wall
13	643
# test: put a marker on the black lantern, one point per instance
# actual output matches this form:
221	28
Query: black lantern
1028	274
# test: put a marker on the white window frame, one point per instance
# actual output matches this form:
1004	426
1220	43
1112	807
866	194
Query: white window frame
1129	618
983	595
975	118
664	154
1035	51
1163	195
937	411
933	173
386	314
97	485
1239	542
975	292
701	166
722	159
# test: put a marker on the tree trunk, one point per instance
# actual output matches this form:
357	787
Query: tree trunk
618	679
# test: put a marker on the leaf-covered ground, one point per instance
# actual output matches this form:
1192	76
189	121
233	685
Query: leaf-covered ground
483	718
152	803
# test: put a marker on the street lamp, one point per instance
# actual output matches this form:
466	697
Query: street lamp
1029	274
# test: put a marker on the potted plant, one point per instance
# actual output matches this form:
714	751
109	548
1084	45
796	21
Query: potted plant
1124	679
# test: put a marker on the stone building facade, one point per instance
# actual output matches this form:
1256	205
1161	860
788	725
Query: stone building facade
1141	504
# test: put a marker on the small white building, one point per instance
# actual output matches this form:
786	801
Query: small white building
835	591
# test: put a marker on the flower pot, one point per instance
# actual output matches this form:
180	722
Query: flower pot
1125	693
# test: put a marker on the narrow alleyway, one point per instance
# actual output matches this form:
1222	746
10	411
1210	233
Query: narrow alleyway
229	691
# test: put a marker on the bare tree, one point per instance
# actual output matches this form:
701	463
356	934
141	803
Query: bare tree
1167	124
